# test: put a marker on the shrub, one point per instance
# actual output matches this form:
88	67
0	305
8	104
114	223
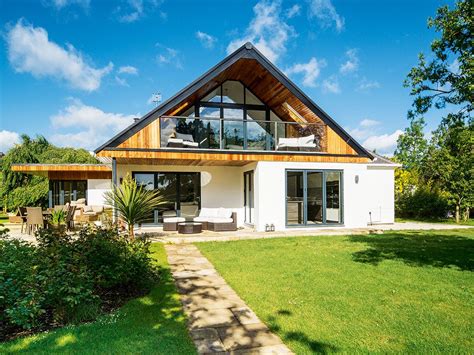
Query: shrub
69	278
422	203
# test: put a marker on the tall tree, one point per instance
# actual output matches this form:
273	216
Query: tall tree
445	81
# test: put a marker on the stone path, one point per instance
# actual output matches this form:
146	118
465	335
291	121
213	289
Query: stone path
218	320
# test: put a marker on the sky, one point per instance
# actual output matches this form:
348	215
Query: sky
79	71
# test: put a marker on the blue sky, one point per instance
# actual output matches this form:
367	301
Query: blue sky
78	71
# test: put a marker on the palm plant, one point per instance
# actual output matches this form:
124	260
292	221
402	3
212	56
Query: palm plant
133	203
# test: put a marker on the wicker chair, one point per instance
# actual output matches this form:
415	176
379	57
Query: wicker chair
34	219
70	217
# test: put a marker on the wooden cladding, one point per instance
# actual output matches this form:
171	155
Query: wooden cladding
234	159
146	138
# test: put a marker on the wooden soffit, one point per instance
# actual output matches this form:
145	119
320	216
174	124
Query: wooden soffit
65	171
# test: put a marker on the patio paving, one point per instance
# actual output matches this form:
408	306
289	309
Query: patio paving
219	321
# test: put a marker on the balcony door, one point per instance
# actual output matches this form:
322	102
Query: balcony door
313	197
182	192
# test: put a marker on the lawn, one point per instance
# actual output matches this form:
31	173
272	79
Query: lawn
154	324
469	222
396	292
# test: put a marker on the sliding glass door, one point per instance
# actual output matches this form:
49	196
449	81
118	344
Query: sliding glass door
313	197
182	192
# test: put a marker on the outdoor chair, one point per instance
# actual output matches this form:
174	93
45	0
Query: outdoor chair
70	217
22	214
34	219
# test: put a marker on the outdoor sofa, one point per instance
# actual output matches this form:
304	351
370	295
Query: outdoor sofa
302	143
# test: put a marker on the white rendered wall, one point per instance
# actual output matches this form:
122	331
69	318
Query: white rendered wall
96	189
372	191
381	194
221	186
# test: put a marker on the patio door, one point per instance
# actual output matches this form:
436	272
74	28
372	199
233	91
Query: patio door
248	197
313	197
182	192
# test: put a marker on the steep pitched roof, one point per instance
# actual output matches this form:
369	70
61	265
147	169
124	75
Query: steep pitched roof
246	51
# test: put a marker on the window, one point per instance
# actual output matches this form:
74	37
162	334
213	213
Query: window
65	191
313	197
182	192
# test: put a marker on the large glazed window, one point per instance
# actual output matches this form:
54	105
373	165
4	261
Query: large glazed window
313	197
66	191
182	192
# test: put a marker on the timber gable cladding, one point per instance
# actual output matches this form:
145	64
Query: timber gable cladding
250	68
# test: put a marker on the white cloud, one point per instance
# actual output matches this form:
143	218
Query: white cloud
368	132
326	13
206	40
331	85
87	126
310	71
8	139
293	11
366	85
31	51
60	4
384	143
154	99
134	10
369	123
169	56
267	31
128	69
121	81
352	63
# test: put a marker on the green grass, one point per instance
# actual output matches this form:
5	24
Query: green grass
3	218
408	292
469	222
154	324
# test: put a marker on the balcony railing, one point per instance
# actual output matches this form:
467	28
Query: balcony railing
237	134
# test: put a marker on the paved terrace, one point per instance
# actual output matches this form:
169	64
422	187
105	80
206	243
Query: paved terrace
157	234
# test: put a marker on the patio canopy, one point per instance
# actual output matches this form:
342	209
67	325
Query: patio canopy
66	171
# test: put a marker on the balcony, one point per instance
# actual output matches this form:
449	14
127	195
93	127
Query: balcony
212	133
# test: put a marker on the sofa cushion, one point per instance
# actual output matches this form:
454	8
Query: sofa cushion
201	219
209	212
97	208
306	141
173	220
224	213
185	137
87	209
288	142
220	220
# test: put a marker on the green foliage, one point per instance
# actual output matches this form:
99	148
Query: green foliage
423	203
57	217
69	278
445	82
35	193
133	203
17	189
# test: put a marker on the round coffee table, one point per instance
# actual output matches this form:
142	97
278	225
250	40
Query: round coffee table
189	228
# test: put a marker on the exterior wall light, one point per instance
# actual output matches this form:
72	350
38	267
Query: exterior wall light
357	179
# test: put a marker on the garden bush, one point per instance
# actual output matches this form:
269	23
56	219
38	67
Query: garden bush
69	278
423	204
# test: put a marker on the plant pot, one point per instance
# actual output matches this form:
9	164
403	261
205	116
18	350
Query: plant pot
58	227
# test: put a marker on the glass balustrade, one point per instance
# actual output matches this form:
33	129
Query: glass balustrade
239	134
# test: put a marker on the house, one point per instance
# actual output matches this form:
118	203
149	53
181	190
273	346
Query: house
243	137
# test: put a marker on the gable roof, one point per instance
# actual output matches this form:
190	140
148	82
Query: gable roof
247	51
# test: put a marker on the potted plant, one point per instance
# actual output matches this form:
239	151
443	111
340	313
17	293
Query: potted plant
58	219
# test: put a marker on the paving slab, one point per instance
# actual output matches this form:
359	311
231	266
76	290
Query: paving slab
219	321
